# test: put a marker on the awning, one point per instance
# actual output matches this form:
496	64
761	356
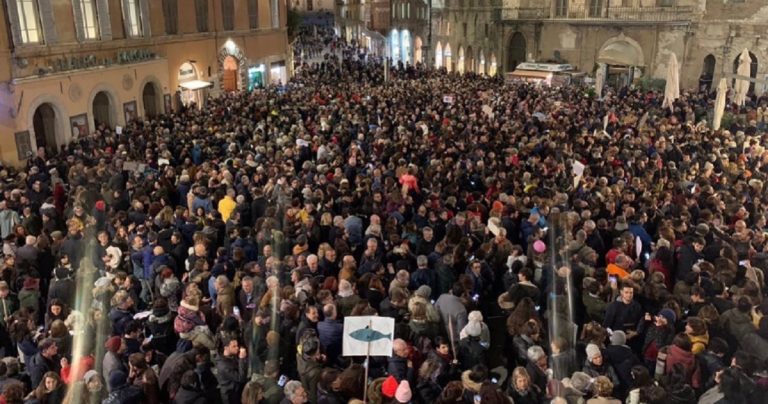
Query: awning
195	84
530	74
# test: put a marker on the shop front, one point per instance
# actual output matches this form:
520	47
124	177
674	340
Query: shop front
192	90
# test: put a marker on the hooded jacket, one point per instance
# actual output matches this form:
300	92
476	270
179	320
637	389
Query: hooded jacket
677	356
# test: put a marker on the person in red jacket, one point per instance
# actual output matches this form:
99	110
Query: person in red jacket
681	359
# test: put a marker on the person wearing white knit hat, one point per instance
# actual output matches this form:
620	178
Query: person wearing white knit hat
476	328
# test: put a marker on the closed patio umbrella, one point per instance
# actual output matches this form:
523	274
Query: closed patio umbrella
672	89
722	91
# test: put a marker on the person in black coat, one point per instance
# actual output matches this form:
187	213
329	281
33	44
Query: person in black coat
621	357
190	391
122	391
399	365
46	360
624	313
62	286
232	371
689	255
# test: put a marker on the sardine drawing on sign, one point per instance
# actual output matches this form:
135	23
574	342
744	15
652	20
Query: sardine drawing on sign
368	335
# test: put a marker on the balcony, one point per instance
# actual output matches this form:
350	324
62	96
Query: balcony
621	15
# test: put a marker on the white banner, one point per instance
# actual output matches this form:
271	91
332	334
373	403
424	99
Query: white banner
368	335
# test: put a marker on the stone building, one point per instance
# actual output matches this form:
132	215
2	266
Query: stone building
409	31
630	39
72	66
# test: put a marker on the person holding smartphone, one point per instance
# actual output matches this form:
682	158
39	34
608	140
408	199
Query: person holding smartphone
625	312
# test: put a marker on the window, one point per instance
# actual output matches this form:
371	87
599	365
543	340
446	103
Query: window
132	18
29	22
228	14
666	3
275	13
201	14
88	15
171	14
561	8
408	10
464	28
253	14
596	8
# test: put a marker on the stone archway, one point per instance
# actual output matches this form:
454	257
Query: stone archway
481	62
237	54
439	55
460	63
707	72
621	51
151	99
516	51
469	64
103	110
45	127
229	78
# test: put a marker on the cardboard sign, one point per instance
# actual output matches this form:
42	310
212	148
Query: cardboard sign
448	99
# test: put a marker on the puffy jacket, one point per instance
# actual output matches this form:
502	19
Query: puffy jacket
737	324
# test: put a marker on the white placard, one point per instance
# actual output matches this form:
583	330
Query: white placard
119	130
368	335
448	99
578	168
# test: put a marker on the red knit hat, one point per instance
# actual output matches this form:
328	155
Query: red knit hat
389	387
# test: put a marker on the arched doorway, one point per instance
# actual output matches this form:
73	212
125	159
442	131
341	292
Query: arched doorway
44	124
230	73
394	43
516	51
417	54
149	96
448	58
624	58
493	67
707	72
752	70
439	55
405	43
102	110
460	63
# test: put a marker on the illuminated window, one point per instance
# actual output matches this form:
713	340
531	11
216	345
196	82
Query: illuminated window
29	21
132	18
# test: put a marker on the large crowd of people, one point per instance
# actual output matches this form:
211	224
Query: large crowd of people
533	244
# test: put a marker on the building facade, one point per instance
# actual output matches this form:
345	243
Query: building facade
630	39
71	66
408	37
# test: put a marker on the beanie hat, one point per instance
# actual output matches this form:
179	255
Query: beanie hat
593	351
539	246
90	375
117	378
424	291
403	393
669	315
389	387
113	344
618	338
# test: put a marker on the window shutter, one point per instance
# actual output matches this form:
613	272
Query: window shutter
48	22
105	25
145	23
13	13
79	27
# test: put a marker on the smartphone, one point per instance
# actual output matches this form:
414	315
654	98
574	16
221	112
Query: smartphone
494	380
743	263
477	398
613	279
282	381
476	297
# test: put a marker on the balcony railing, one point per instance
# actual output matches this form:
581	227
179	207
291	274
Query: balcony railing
617	14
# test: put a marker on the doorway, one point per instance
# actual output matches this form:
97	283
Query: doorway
102	110
516	51
707	72
230	74
149	96
44	124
